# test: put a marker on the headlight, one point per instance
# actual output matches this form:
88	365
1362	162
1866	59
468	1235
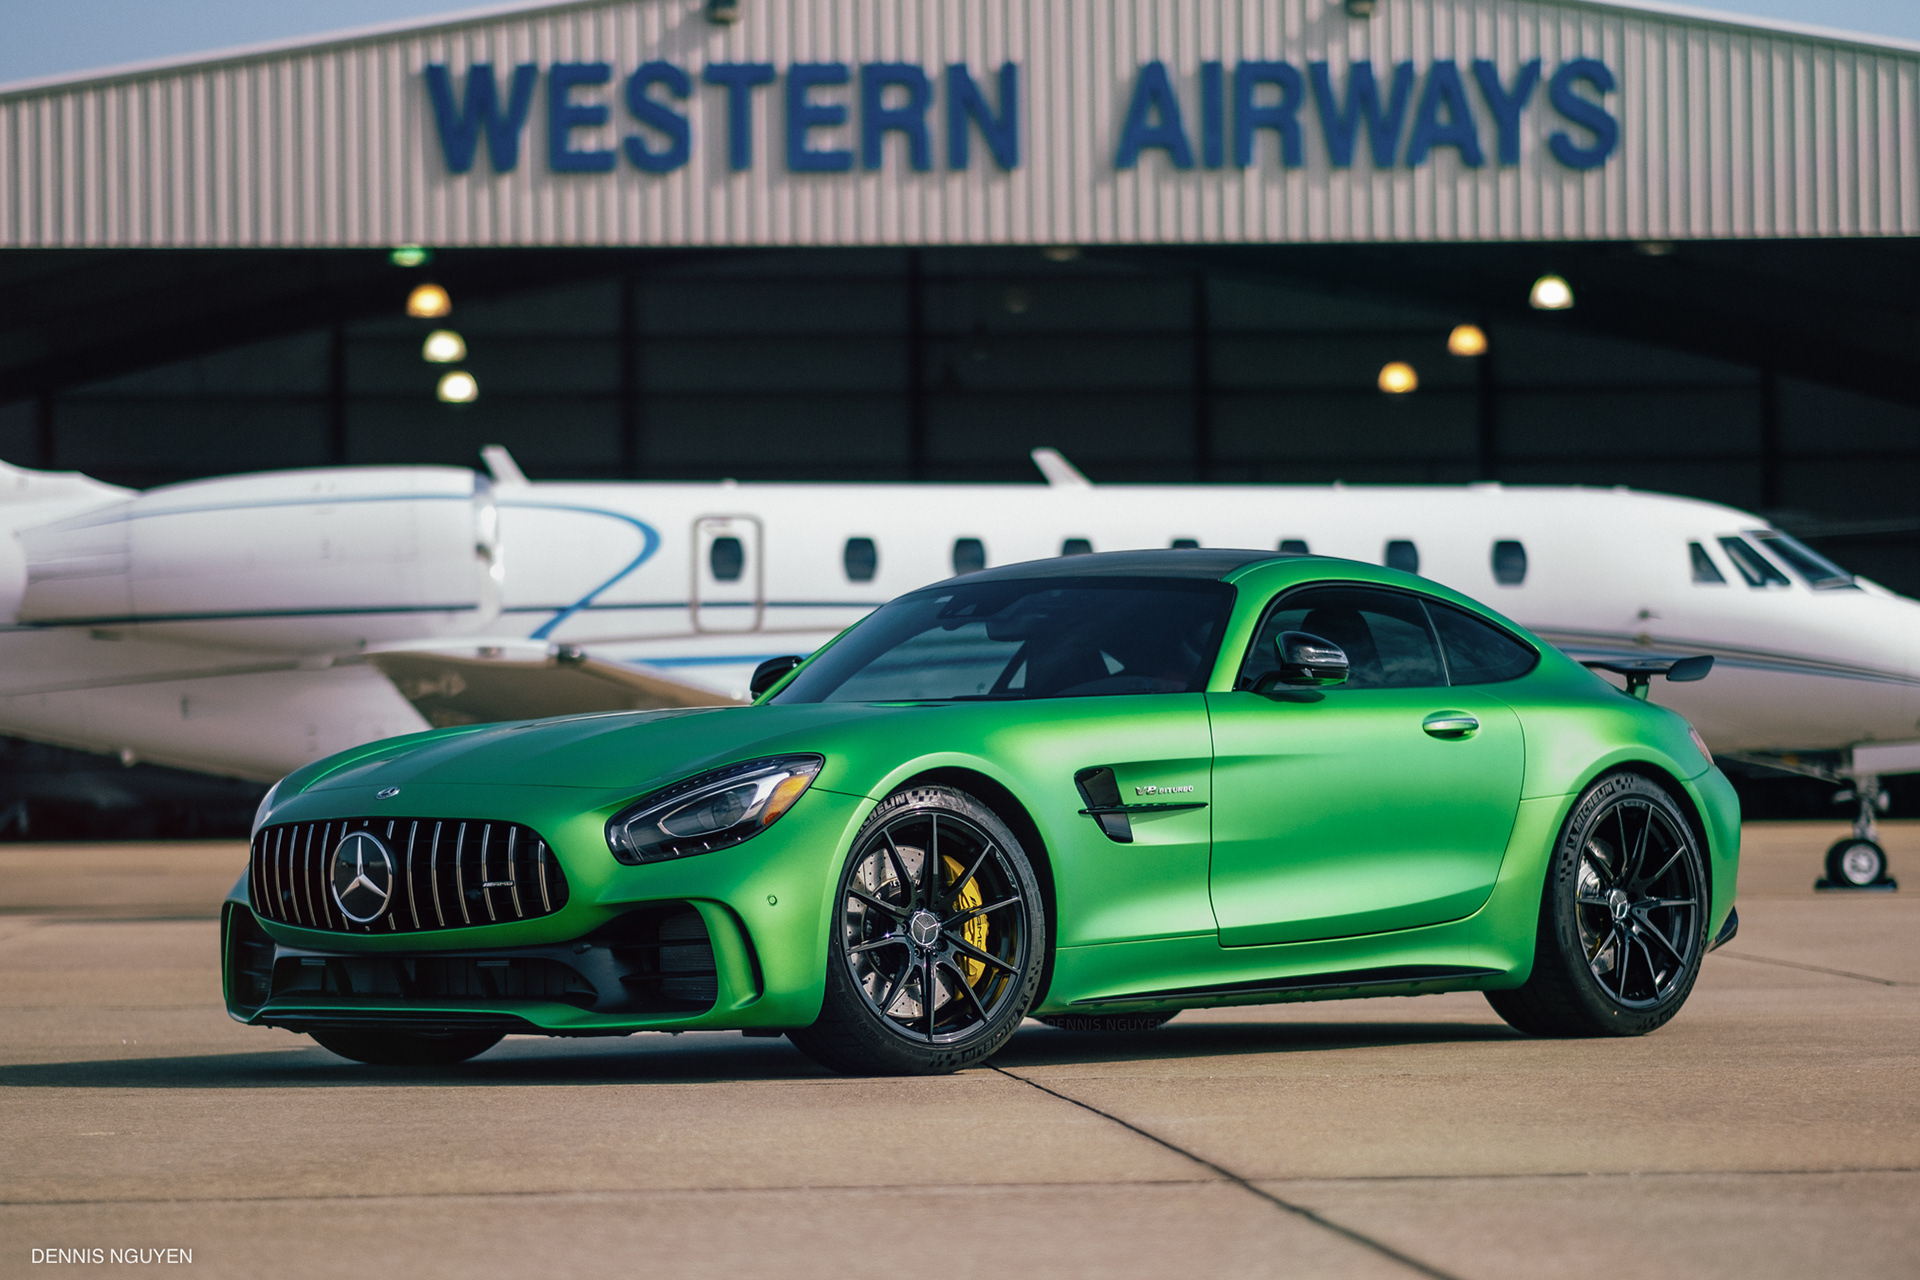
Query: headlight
713	811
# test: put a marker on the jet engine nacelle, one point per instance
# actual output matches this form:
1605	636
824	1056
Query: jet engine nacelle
297	561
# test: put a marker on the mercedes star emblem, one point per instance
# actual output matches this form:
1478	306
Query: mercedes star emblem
388	793
361	874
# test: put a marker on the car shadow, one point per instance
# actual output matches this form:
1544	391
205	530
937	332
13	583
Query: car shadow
709	1058
1041	1046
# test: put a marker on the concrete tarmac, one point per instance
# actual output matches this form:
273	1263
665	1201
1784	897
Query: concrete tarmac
1771	1130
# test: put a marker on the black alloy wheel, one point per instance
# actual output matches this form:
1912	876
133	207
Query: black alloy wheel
1623	918
937	943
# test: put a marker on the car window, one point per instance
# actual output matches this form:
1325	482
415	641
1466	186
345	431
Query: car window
1754	567
1478	653
1387	640
1036	638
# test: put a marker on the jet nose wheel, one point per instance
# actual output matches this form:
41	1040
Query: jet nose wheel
1855	863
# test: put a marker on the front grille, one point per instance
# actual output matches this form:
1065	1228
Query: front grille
450	873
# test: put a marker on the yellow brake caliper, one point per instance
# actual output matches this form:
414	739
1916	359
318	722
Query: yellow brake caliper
974	930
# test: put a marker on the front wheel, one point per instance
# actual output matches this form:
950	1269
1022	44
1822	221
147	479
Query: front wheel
1856	863
1623	918
938	940
407	1048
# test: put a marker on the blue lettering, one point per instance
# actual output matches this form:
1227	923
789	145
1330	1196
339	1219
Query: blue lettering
659	117
1340	122
1213	110
460	127
910	117
1283	117
1444	89
966	103
1153	97
1589	115
1506	107
740	79
804	116
565	115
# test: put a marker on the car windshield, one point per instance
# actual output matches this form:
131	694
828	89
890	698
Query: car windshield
1019	639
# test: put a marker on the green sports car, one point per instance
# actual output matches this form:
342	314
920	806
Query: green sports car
1095	790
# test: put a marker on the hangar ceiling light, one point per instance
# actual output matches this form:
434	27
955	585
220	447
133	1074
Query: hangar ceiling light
458	387
1467	340
443	346
1551	293
1397	378
429	302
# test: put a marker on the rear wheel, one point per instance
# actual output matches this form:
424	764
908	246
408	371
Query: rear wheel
407	1048
937	941
1623	918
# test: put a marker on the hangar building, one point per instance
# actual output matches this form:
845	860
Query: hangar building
871	239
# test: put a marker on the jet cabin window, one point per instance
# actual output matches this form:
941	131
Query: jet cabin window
861	559
726	558
1403	555
1754	567
1185	543
1821	573
1076	547
969	556
1509	563
1705	571
1294	547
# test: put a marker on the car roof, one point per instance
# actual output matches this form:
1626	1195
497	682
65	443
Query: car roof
1185	562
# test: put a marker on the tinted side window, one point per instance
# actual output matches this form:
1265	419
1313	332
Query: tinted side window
1386	637
1403	555
861	559
1509	563
1476	652
969	555
726	558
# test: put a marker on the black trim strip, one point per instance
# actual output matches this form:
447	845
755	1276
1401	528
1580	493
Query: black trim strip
1143	808
1398	975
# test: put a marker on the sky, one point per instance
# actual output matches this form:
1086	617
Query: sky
52	37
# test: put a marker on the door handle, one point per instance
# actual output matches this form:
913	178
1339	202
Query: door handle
1450	724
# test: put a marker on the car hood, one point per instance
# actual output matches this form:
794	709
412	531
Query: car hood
607	751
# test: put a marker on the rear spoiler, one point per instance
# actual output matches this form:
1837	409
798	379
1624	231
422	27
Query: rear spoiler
1641	671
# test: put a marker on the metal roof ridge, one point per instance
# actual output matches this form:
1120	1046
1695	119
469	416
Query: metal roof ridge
486	13
292	44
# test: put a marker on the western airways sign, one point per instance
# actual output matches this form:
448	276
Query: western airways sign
835	117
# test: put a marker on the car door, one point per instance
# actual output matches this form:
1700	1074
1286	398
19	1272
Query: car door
1383	803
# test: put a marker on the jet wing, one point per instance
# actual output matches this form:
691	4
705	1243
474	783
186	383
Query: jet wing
489	684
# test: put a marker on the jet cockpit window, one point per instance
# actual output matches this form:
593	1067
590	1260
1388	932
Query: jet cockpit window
861	559
1820	572
1705	571
1754	567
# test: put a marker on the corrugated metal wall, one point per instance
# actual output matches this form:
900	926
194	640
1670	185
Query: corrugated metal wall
1725	131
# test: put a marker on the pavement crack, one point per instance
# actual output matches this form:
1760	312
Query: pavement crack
1380	1247
1813	968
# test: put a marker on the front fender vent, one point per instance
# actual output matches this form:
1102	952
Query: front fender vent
448	873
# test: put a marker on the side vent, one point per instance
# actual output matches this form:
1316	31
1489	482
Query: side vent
1102	795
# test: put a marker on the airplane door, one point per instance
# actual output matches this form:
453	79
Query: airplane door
729	576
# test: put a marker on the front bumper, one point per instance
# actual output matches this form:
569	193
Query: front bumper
733	939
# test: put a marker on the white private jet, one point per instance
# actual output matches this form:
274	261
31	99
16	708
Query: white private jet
249	624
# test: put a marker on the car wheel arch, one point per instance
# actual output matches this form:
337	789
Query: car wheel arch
1677	793
1009	809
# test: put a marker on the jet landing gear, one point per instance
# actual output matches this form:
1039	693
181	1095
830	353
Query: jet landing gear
1858	862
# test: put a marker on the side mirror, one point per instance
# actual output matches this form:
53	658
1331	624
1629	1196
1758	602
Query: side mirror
1310	661
772	672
